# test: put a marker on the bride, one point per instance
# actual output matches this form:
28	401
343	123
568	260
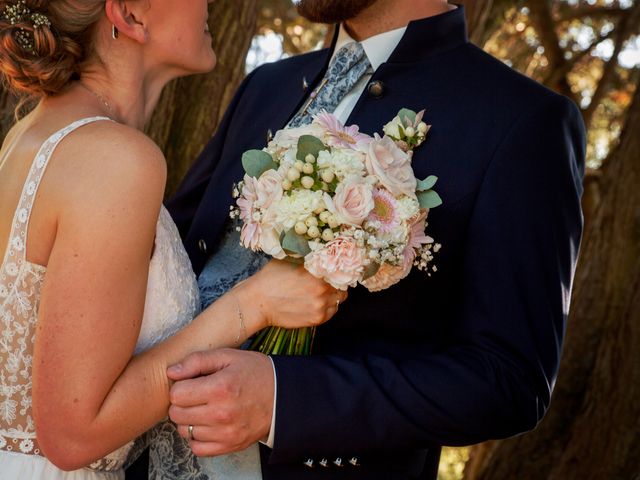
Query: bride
97	295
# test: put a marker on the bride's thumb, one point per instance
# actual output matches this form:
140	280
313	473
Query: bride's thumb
198	364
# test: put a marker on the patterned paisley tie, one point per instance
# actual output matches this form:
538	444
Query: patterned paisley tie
346	69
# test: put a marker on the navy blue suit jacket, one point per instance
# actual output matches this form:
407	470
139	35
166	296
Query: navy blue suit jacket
470	353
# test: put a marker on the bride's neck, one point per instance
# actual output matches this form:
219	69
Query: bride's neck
129	97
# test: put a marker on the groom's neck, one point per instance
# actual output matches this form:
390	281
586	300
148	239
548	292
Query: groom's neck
386	15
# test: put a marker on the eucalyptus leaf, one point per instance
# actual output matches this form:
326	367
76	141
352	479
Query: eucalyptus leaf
427	184
308	144
370	271
295	245
256	162
429	199
405	114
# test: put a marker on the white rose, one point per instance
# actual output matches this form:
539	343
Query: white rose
392	128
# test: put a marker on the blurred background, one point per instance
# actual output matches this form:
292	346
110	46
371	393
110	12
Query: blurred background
588	50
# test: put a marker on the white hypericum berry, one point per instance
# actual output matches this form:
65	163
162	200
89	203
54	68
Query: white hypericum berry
410	132
422	127
293	174
310	159
324	216
313	232
299	165
307	182
300	228
327	235
333	222
307	168
311	222
328	176
286	184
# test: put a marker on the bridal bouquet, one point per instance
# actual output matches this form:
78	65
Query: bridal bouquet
345	204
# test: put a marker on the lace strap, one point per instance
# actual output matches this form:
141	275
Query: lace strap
15	253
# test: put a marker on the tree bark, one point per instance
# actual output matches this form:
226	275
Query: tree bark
7	118
191	108
591	429
484	17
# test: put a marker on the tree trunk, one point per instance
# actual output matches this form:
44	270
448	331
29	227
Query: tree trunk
484	17
7	118
191	108
591	430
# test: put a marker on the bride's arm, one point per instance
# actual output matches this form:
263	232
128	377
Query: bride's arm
89	396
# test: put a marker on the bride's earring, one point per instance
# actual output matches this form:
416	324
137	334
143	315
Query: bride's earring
114	32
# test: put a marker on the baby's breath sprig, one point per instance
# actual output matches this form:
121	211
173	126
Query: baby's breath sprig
18	13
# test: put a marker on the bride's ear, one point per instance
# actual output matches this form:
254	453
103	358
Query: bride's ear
126	20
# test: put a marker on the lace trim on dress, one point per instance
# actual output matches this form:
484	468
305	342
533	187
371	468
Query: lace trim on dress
20	285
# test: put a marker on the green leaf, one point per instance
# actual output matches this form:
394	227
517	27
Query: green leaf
308	144
256	162
429	199
294	244
406	114
427	184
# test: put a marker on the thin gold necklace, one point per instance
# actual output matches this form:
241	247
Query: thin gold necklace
100	98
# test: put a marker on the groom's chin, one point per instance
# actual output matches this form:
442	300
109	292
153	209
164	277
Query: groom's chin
332	11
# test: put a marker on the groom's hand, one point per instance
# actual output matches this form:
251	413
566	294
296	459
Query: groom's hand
226	395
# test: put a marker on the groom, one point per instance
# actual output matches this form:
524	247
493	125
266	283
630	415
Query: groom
468	354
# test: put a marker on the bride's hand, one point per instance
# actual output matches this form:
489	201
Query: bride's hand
286	295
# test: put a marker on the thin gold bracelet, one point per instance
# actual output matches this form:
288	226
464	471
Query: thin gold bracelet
243	327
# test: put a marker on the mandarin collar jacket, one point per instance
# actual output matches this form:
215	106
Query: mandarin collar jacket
469	353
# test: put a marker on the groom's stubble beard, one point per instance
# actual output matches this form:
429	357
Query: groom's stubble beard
332	11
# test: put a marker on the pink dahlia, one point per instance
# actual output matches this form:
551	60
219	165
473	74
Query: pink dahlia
340	135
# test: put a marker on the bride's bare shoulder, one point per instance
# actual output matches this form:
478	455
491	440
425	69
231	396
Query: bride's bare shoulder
109	159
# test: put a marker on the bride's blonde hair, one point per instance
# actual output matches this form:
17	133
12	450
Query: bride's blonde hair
44	44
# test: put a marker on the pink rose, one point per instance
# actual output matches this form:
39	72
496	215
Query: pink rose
339	263
391	166
353	200
288	137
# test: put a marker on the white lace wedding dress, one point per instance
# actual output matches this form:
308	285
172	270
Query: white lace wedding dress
172	301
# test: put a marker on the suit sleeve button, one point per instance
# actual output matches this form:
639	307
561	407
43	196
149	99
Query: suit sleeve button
354	461
338	462
324	462
202	246
308	462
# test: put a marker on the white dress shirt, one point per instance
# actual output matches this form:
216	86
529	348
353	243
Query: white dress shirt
378	50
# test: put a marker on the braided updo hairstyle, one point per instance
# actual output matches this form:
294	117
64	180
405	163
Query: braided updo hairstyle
40	57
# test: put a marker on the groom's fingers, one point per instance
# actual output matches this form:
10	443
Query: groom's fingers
188	393
199	363
198	415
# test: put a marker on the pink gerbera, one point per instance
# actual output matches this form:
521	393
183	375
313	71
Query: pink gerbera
340	135
385	211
